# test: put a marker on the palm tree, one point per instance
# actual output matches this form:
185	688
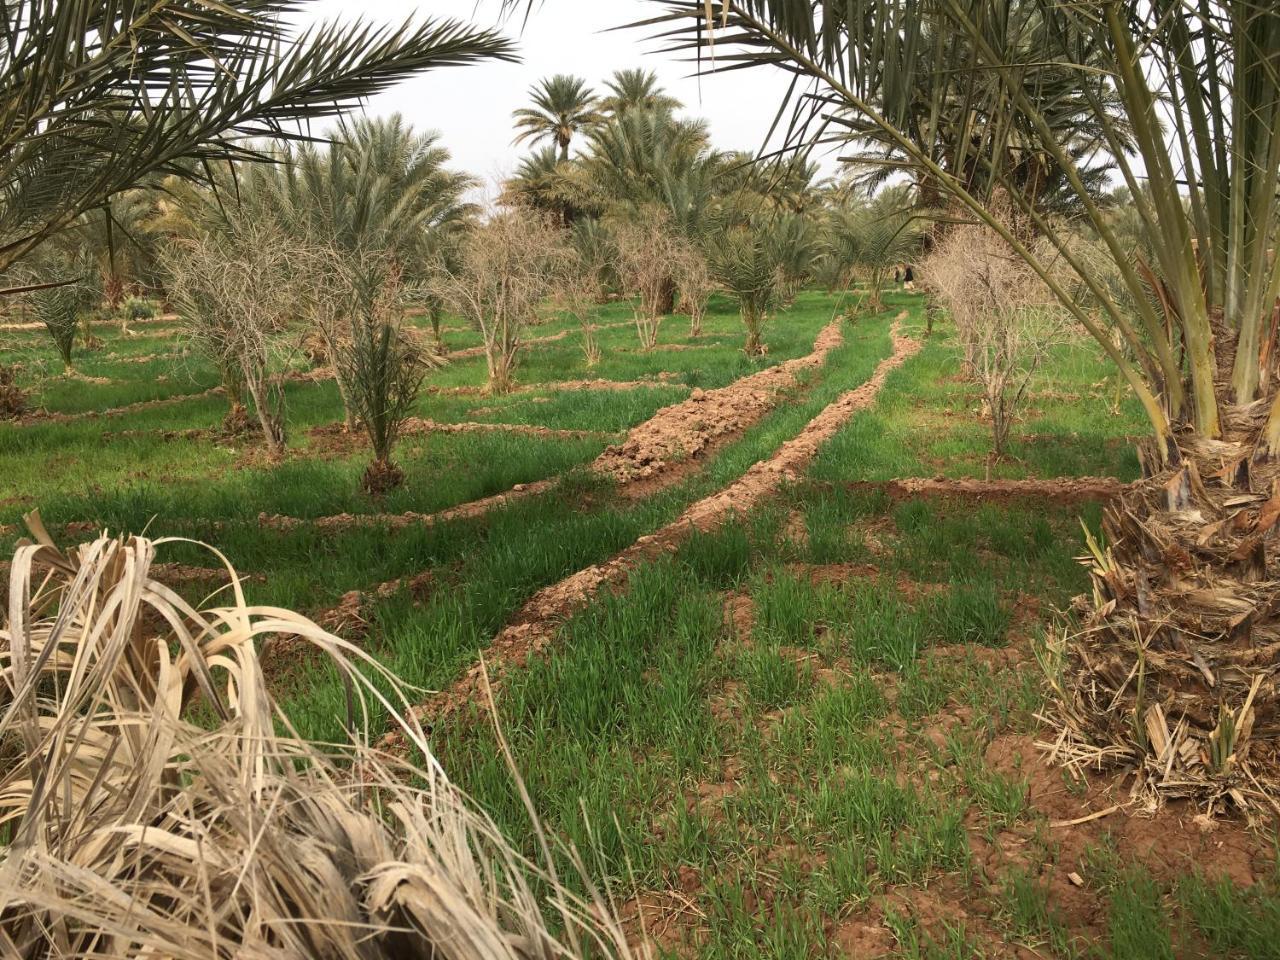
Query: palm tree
1193	90
92	112
869	239
119	236
749	260
646	160
544	182
563	106
992	143
379	187
646	157
380	193
636	88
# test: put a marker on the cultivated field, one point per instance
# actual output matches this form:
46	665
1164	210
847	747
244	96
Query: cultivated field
786	696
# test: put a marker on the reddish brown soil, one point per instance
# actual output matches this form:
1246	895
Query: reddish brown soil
208	579
642	464
1050	845
335	440
46	416
535	625
551	338
394	521
691	429
113	322
560	386
1064	490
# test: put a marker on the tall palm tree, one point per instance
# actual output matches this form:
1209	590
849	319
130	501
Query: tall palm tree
643	160
563	106
90	110
636	88
378	187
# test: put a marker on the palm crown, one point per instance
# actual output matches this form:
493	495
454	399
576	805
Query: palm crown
563	105
636	88
91	108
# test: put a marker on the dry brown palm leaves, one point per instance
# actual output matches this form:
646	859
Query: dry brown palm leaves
156	802
1175	670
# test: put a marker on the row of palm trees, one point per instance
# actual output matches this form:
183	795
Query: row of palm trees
564	106
761	227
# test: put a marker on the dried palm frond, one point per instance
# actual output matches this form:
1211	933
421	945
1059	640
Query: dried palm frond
156	801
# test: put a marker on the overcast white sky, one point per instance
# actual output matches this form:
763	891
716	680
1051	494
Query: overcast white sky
471	106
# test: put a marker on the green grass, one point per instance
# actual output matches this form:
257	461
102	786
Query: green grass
926	423
785	779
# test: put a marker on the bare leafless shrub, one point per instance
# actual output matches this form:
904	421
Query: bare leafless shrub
695	283
505	269
1008	319
578	295
240	291
157	802
645	255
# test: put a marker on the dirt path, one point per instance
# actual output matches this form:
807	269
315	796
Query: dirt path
562	386
655	454
536	624
1065	490
684	432
112	322
48	416
334	440
478	351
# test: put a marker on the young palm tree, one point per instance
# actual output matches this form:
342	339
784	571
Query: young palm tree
85	85
633	89
868	240
379	192
563	106
749	260
383	369
63	307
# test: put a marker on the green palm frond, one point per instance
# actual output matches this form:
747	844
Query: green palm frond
636	89
563	106
97	96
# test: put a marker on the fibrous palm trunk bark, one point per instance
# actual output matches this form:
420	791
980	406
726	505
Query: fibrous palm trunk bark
1177	668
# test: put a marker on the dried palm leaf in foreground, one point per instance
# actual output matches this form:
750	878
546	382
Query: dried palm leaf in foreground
132	830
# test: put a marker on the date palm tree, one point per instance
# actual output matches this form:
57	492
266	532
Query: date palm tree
563	106
647	160
544	182
91	106
636	88
380	194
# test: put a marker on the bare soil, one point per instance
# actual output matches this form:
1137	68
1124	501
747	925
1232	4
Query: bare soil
1062	490
534	627
683	432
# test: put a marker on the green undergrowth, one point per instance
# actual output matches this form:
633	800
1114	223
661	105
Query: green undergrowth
141	467
928	422
483	575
